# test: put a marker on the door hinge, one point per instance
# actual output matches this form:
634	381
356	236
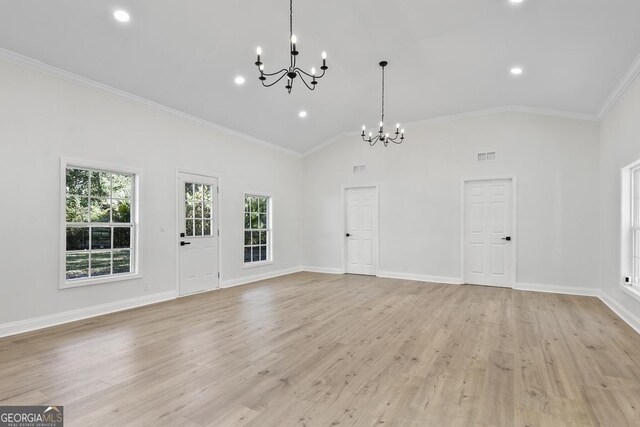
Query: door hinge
218	190
218	232
218	274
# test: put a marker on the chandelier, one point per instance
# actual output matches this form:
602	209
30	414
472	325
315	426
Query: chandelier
293	71
381	136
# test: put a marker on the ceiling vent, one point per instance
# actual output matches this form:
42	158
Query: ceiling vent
489	156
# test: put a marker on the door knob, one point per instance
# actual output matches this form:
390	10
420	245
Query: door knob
184	243
348	235
508	238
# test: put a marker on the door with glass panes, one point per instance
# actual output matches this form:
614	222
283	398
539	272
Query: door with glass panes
198	249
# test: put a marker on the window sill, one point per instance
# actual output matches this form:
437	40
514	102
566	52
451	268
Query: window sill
631	290
98	281
256	264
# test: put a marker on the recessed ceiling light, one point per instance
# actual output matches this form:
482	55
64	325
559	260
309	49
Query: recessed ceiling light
121	16
516	1
239	80
302	114
516	71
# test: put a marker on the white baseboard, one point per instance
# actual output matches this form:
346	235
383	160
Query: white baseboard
554	289
420	277
326	270
629	318
28	325
257	277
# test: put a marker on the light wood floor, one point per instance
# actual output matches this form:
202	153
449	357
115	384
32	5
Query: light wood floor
321	350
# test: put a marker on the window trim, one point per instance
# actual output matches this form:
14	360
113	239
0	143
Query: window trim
136	215
634	176
269	260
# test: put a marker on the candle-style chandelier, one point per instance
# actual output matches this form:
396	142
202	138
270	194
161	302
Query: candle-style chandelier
385	138
293	71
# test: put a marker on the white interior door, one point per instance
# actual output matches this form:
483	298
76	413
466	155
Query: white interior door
362	230
198	228
489	251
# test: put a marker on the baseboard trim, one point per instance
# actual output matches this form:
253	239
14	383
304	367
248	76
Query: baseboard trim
420	277
258	277
29	325
554	289
628	317
326	270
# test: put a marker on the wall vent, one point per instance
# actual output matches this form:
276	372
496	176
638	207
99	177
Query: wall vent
489	156
359	168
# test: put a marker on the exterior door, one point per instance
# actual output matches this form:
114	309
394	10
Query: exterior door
362	230
198	228
489	251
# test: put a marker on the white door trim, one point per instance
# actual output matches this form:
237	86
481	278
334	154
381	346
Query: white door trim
177	225
514	210
344	225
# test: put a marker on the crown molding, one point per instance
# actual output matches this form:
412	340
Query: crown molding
468	115
35	65
620	88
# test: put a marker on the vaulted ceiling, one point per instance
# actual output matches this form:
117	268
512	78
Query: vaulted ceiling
446	56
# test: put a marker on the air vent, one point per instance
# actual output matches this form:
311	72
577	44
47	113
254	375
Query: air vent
489	156
360	169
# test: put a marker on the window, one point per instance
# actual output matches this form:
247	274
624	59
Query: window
257	228
198	209
99	225
635	226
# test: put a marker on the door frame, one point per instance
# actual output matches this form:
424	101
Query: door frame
514	215
177	226
344	225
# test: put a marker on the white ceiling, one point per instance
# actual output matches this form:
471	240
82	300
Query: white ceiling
446	56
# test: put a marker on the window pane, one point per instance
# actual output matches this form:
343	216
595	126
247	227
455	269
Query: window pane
100	263
197	192
122	186
77	182
121	262
121	237
254	204
206	227
255	253
100	238
121	210
247	204
77	238
189	227
263	221
263	253
247	220
263	205
188	213
247	254
207	193
198	209
247	238
77	209
100	210
207	209
255	238
254	221
198	229
188	191
77	266
100	184
263	238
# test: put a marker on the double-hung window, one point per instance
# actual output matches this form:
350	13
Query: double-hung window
635	226
99	225
257	229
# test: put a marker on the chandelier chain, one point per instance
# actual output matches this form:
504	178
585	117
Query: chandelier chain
290	19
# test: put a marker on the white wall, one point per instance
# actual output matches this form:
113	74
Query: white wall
43	118
620	146
555	161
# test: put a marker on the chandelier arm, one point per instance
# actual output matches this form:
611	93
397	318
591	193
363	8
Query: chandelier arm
313	76
271	84
274	74
305	82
